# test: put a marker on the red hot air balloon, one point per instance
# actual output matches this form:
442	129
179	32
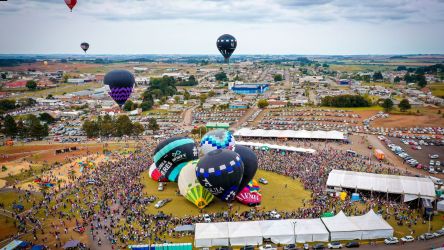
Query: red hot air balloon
71	4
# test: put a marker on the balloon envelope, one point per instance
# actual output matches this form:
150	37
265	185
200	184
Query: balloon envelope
190	187
155	174
220	171
71	3
171	155
226	44
121	84
250	196
216	139
250	161
84	46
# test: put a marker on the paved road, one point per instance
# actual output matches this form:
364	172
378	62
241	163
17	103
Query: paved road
417	245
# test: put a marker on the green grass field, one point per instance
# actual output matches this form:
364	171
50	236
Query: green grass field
275	195
437	89
60	90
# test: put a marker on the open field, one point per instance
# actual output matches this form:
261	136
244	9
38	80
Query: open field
437	89
428	117
282	193
59	90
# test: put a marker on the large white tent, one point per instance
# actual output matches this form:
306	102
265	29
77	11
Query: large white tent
244	233
211	234
310	230
278	231
406	185
341	227
274	146
372	226
293	134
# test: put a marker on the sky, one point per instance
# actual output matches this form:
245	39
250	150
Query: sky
303	27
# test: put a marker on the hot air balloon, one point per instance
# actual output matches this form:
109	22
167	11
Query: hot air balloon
250	195
121	84
220	172
172	154
71	4
45	63
84	46
216	139
226	44
155	174
250	161
190	187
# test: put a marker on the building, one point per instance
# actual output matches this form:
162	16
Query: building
248	89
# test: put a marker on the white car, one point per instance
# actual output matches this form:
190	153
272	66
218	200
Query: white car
391	240
160	187
263	181
407	238
274	215
334	245
206	218
434	156
432	163
267	247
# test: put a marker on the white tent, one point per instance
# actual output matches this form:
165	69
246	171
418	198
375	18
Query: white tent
244	233
341	227
310	230
394	184
274	146
295	134
211	234
278	231
372	226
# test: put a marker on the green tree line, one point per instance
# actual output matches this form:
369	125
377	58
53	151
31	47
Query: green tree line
108	126
28	126
348	101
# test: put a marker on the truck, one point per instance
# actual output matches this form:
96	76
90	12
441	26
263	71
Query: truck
379	154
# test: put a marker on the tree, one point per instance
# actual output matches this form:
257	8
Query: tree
46	118
35	128
128	106
138	128
397	79
186	95
377	76
387	105
123	126
106	126
145	106
152	125
211	93
404	105
90	128
422	82
10	126
221	76
278	77
202	98
176	99
31	85
262	103
7	104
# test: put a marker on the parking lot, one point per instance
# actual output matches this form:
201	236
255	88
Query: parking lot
422	155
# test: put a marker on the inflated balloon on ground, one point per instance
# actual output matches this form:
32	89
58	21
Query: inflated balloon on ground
171	155
250	161
155	174
190	187
250	195
220	171
216	139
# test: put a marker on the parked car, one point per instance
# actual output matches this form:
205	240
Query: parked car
318	246
334	245
426	236
432	163
352	244
391	240
438	233
263	181
306	246
206	218
162	203
249	247
274	215
267	247
435	156
290	247
407	238
160	187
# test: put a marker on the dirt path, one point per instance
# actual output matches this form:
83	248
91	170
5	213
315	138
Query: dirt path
244	118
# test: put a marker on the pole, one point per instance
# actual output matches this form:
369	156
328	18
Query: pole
294	231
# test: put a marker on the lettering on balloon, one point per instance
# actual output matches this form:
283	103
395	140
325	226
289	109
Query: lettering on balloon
207	183
216	190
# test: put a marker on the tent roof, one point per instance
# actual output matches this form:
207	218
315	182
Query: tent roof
370	221
309	226
271	228
184	228
244	229
12	245
395	184
71	243
339	223
297	134
211	230
274	146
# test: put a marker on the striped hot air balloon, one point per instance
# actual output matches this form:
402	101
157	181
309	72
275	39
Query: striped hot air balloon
190	187
155	174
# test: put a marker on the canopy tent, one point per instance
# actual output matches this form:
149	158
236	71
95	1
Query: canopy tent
38	247
310	230
278	231
372	226
71	244
212	125
394	184
169	246
293	134
273	146
341	227
15	244
244	233
211	234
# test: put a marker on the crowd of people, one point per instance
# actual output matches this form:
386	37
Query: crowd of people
108	203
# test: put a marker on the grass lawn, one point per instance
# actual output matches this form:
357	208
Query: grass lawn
437	89
60	90
8	197
274	196
7	229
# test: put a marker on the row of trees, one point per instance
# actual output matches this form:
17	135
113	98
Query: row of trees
190	82
108	126
28	126
10	104
403	105
348	101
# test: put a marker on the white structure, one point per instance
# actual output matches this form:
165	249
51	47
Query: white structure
372	226
341	227
411	187
211	234
245	233
273	146
293	134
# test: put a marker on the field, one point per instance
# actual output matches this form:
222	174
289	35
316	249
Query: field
282	193
437	89
427	117
59	90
